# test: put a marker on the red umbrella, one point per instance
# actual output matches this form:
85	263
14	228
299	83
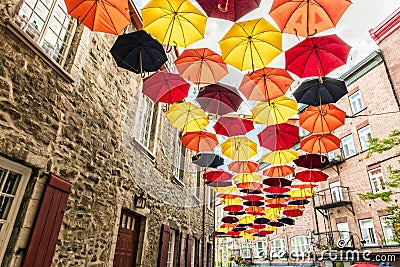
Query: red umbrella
258	226
317	56
217	175
278	205
253	203
228	196
230	219
254	210
312	161
279	137
165	87
233	126
228	9
312	176
280	182
276	189
293	213
233	208
279	171
320	143
199	141
252	197
243	166
362	264
264	233
232	233
219	99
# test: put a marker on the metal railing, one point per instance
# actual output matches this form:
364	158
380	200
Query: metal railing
332	197
334	240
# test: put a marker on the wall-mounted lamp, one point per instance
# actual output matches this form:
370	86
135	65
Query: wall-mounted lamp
140	200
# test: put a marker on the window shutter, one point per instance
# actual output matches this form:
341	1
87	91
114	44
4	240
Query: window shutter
48	223
163	250
189	248
182	258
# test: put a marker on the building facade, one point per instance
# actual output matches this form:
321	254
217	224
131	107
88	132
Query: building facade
91	171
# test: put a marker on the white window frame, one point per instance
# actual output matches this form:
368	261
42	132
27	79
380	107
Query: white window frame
147	109
300	245
278	247
6	229
260	251
39	37
348	146
210	198
171	248
368	233
364	134
387	229
376	180
336	192
245	250
344	233
356	102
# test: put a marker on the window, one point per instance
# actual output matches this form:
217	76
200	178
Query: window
356	102
344	234
300	245
260	249
198	182
245	250
278	247
388	230
48	24
348	146
364	134
13	181
376	179
210	198
336	192
179	158
146	121
171	248
368	232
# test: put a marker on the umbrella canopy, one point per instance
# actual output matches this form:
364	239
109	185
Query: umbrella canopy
304	185
239	148
243	166
205	159
307	17
321	119
280	156
320	91
219	99
247	219
217	175
276	190
174	22
261	220
274	196
279	136
278	110
165	87
233	208
251	44
109	16
276	200
312	161
225	190
138	52
253	203
199	141
247	177
293	213
258	226
320	143
227	226
302	193
237	213
362	264
265	84
254	210
279	171
286	220
317	56
227	196
233	126
298	202
280	182
276	224
311	176
228	9
187	117
252	197
250	186
231	201
201	66
218	183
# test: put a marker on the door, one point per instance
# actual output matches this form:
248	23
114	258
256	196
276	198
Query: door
127	242
344	235
336	192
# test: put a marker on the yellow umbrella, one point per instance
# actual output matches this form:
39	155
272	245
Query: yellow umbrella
187	116
280	156
225	190
247	236
272	213
276	111
239	148
270	228
247	219
251	44
222	230
231	201
302	193
174	22
247	177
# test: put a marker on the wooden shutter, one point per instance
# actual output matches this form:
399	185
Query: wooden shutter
189	248
182	258
163	249
48	223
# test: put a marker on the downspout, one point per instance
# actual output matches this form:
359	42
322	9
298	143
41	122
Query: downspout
396	97
204	225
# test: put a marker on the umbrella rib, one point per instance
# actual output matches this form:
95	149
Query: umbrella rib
109	16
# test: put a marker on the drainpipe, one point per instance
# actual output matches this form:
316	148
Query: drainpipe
204	225
396	97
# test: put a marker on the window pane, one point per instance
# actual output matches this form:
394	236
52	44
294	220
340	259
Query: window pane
348	146
5	205
356	102
11	184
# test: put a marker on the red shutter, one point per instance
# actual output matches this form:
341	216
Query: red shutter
163	250
182	259
48	223
189	248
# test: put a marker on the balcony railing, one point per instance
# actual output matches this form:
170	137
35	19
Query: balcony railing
333	197
334	240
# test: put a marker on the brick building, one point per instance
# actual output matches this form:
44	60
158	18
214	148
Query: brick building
91	171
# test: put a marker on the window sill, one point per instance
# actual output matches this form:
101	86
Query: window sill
12	27
177	181
145	150
355	114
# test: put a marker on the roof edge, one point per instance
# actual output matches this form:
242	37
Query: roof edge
386	27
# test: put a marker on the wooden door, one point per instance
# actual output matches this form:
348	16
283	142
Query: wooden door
127	242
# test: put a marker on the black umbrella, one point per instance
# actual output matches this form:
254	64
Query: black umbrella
277	195
261	220
298	202
280	182
276	224
250	191
239	228
218	183
138	52
242	212
312	161
253	203
230	219
287	220
320	91
205	159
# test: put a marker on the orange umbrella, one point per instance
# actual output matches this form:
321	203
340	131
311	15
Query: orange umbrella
199	141
110	16
279	171
303	186
228	196
320	143
307	17
265	84
250	186
276	200
243	166
201	66
325	118
254	210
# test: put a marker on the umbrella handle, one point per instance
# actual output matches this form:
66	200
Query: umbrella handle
312	34
223	9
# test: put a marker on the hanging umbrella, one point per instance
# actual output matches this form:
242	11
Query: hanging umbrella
201	66
233	234
280	182
228	9
187	117
258	226
278	110
317	56
237	213
293	213
251	44
263	233
247	177
206	159
304	185
253	203
174	22
217	175
252	197
276	190
298	202
233	126
286	220
276	205
277	201
250	186
230	202
219	99
265	84
261	220
272	214
320	91
321	119
279	136
279	171
276	224
320	143
138	52
233	208
218	183
238	229
280	156
247	220
311	176
226	190
277	195
255	210
227	226
165	87
302	193
312	161
270	228
227	196
362	264
199	141
307	17
230	219
243	166
239	148
109	16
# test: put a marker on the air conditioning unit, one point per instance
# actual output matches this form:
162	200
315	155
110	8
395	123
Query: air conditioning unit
336	156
